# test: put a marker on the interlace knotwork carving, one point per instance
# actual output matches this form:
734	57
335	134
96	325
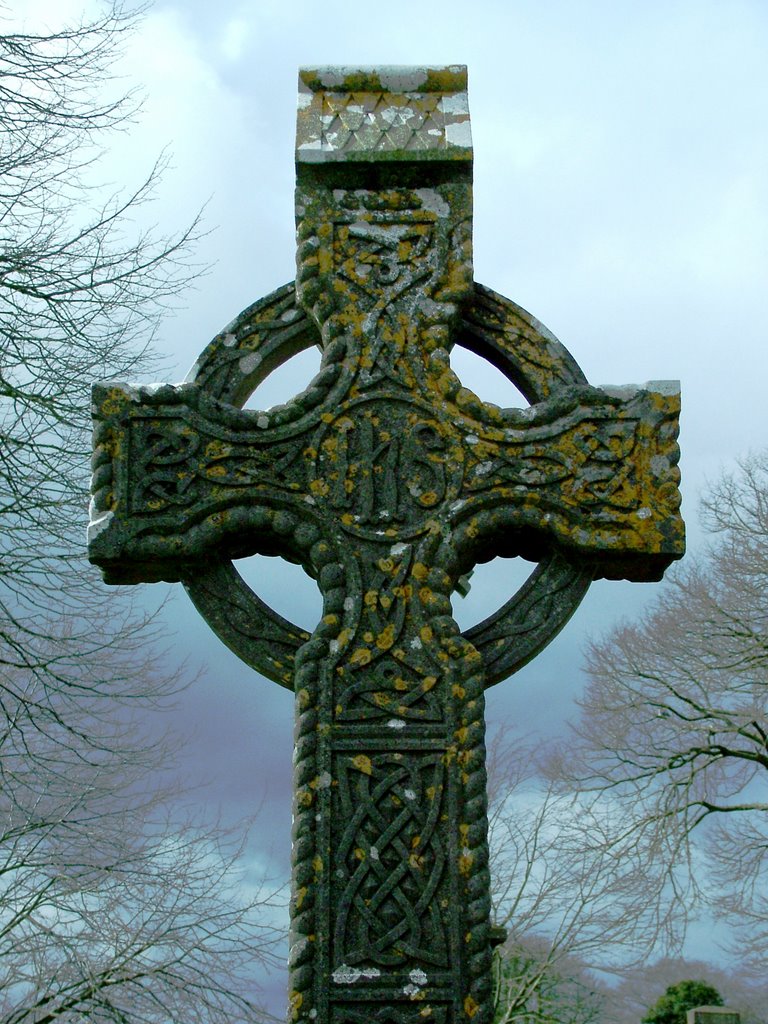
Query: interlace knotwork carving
184	461
585	461
391	906
389	688
161	470
416	1012
386	274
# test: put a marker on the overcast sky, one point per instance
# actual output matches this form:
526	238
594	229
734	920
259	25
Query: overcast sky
621	195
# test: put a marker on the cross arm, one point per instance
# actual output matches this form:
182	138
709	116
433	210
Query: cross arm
178	475
592	471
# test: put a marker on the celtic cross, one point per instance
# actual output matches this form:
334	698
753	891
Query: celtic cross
387	480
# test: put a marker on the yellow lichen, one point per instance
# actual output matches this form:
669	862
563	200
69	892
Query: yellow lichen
362	656
294	1004
363	763
466	861
470	1007
386	638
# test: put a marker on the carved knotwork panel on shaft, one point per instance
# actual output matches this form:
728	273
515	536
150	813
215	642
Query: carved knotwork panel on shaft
375	1013
390	883
386	479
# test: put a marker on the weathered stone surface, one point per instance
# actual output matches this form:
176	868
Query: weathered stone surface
387	480
712	1015
378	114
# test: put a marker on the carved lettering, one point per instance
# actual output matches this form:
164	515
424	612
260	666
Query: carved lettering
383	462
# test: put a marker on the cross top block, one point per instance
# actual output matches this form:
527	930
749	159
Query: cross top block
389	113
387	480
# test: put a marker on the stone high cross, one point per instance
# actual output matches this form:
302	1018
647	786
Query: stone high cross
386	480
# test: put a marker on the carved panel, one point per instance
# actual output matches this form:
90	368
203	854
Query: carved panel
417	1012
383	121
389	689
390	886
160	474
178	461
385	463
586	459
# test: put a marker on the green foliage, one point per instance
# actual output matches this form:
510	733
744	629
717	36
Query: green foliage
672	1007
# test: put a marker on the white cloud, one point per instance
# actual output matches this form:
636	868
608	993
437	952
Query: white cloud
235	35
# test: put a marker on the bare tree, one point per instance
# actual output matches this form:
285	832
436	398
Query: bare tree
80	298
148	921
569	895
564	993
113	907
674	723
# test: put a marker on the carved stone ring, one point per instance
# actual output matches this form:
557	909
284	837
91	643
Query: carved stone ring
271	331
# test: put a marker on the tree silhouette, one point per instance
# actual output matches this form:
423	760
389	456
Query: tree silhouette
673	1006
113	907
674	725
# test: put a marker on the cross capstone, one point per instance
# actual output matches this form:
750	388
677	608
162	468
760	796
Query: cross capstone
387	480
